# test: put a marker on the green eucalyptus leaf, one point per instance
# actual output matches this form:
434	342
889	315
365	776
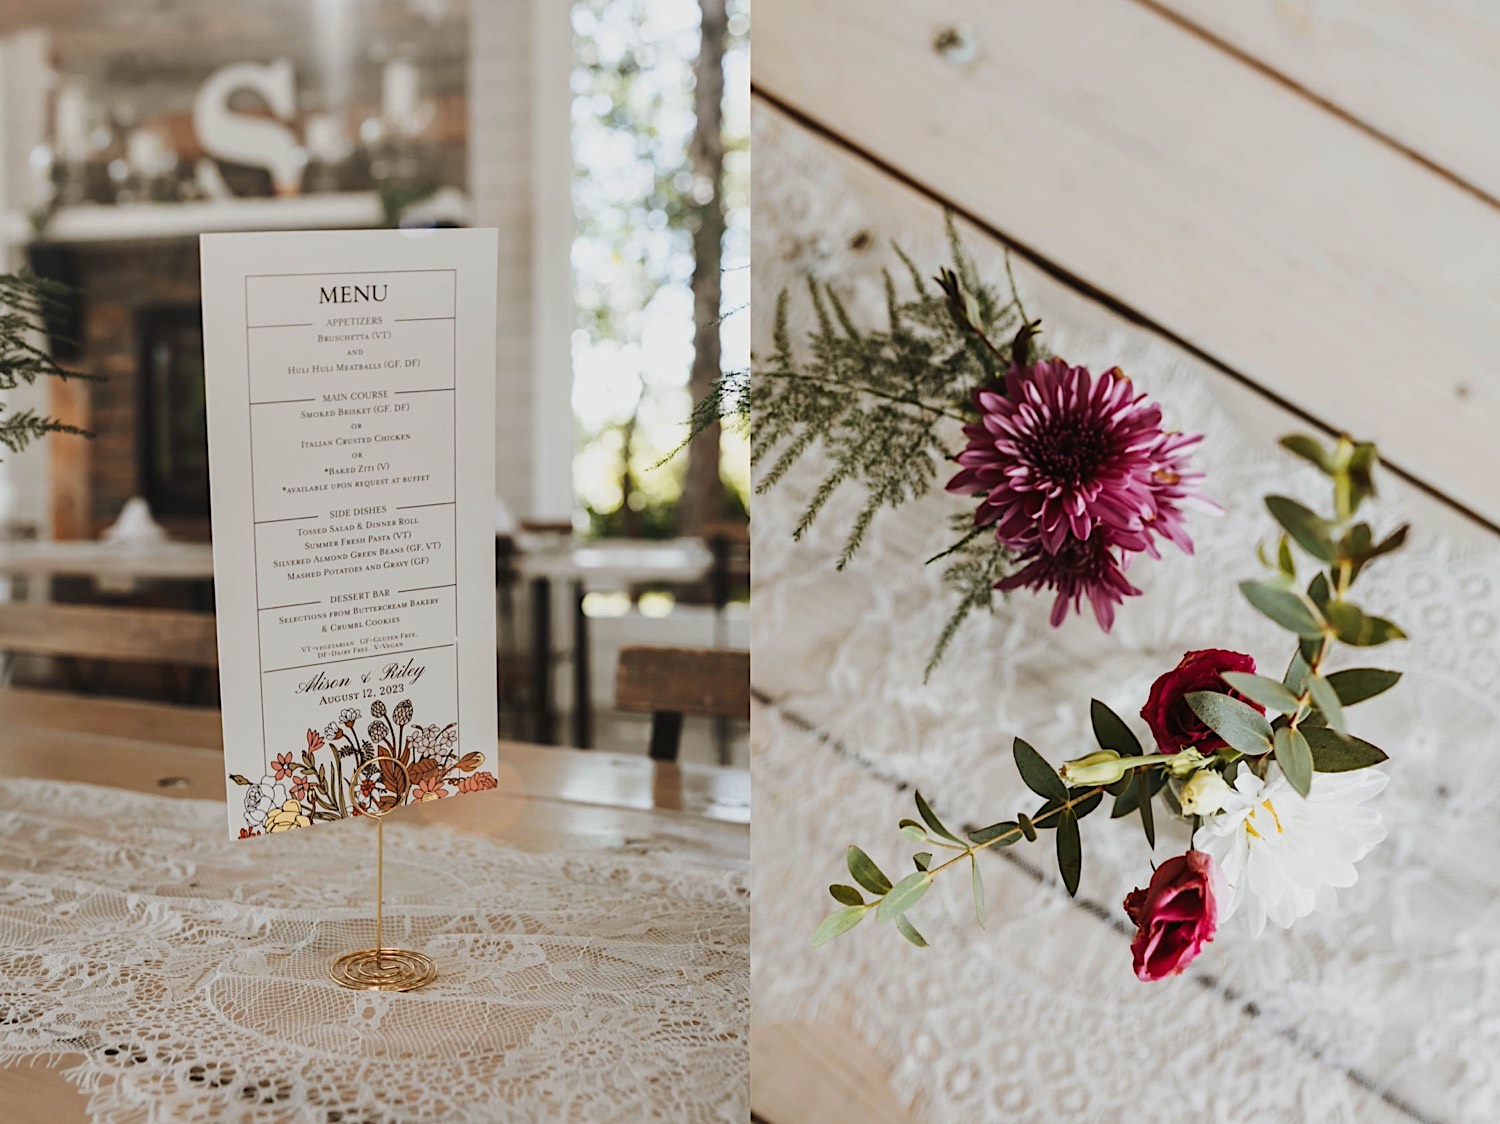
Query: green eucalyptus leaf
1288	609
1038	776
1130	798
866	873
1258	688
840	921
846	895
904	894
1359	630
1296	674
1069	852
1028	829
1238	723
922	860
1310	649
1360	472
1394	541
1148	815
909	931
977	881
926	812
1327	701
1311	531
1318	591
1111	732
1284	560
915	834
1360	683
1045	817
1356	544
1333	753
995	831
1309	449
1088	804
1295	757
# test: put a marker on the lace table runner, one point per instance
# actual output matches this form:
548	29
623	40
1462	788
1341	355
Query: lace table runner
189	971
1387	1009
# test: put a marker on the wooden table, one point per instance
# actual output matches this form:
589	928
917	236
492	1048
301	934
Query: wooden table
547	797
581	567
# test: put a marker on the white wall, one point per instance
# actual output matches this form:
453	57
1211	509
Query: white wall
520	169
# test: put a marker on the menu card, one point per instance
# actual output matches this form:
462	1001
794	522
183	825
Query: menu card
351	428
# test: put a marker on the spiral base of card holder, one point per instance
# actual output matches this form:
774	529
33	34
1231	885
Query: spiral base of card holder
380	968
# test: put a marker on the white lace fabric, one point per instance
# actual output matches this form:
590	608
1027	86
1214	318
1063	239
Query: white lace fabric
1385	1009
189	972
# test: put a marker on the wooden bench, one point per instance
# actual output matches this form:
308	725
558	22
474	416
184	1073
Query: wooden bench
92	632
668	683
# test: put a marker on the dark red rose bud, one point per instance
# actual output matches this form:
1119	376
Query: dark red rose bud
1167	712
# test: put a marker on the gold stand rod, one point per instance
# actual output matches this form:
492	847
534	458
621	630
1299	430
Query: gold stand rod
381	968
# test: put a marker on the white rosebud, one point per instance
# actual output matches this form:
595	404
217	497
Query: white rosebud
1185	763
1104	767
1205	793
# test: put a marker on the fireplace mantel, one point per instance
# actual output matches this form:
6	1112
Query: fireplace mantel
141	222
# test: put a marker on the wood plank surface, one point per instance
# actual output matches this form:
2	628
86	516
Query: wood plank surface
105	633
611	781
1210	198
833	1076
1423	73
709	682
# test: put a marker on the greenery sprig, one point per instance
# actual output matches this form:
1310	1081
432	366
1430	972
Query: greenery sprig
877	402
1308	733
27	302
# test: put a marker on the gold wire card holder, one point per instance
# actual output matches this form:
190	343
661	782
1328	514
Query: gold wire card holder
380	968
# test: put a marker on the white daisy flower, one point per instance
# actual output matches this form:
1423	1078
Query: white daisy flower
1279	856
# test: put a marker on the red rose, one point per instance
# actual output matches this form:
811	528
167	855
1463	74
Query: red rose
1175	916
1167	712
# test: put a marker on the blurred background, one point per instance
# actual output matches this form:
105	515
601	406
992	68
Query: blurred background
608	142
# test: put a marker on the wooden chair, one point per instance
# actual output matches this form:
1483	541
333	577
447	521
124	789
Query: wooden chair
668	683
156	636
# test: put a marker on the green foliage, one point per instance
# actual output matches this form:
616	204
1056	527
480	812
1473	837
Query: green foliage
882	404
1307	737
26	303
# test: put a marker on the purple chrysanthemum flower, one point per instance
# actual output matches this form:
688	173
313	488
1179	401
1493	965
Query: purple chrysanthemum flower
1077	476
1081	568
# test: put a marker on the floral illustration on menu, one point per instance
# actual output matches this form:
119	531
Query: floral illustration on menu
312	782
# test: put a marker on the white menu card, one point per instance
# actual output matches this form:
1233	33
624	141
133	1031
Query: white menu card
351	429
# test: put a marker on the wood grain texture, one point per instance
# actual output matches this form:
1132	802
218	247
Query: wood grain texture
1241	217
97	632
1424	73
708	682
121	743
802	1073
192	727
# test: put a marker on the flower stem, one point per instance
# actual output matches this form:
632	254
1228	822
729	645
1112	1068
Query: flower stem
1011	837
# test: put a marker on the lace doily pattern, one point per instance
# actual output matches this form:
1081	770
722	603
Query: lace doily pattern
189	973
1382	1010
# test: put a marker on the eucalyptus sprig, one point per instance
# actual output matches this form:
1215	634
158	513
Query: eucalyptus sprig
1308	733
